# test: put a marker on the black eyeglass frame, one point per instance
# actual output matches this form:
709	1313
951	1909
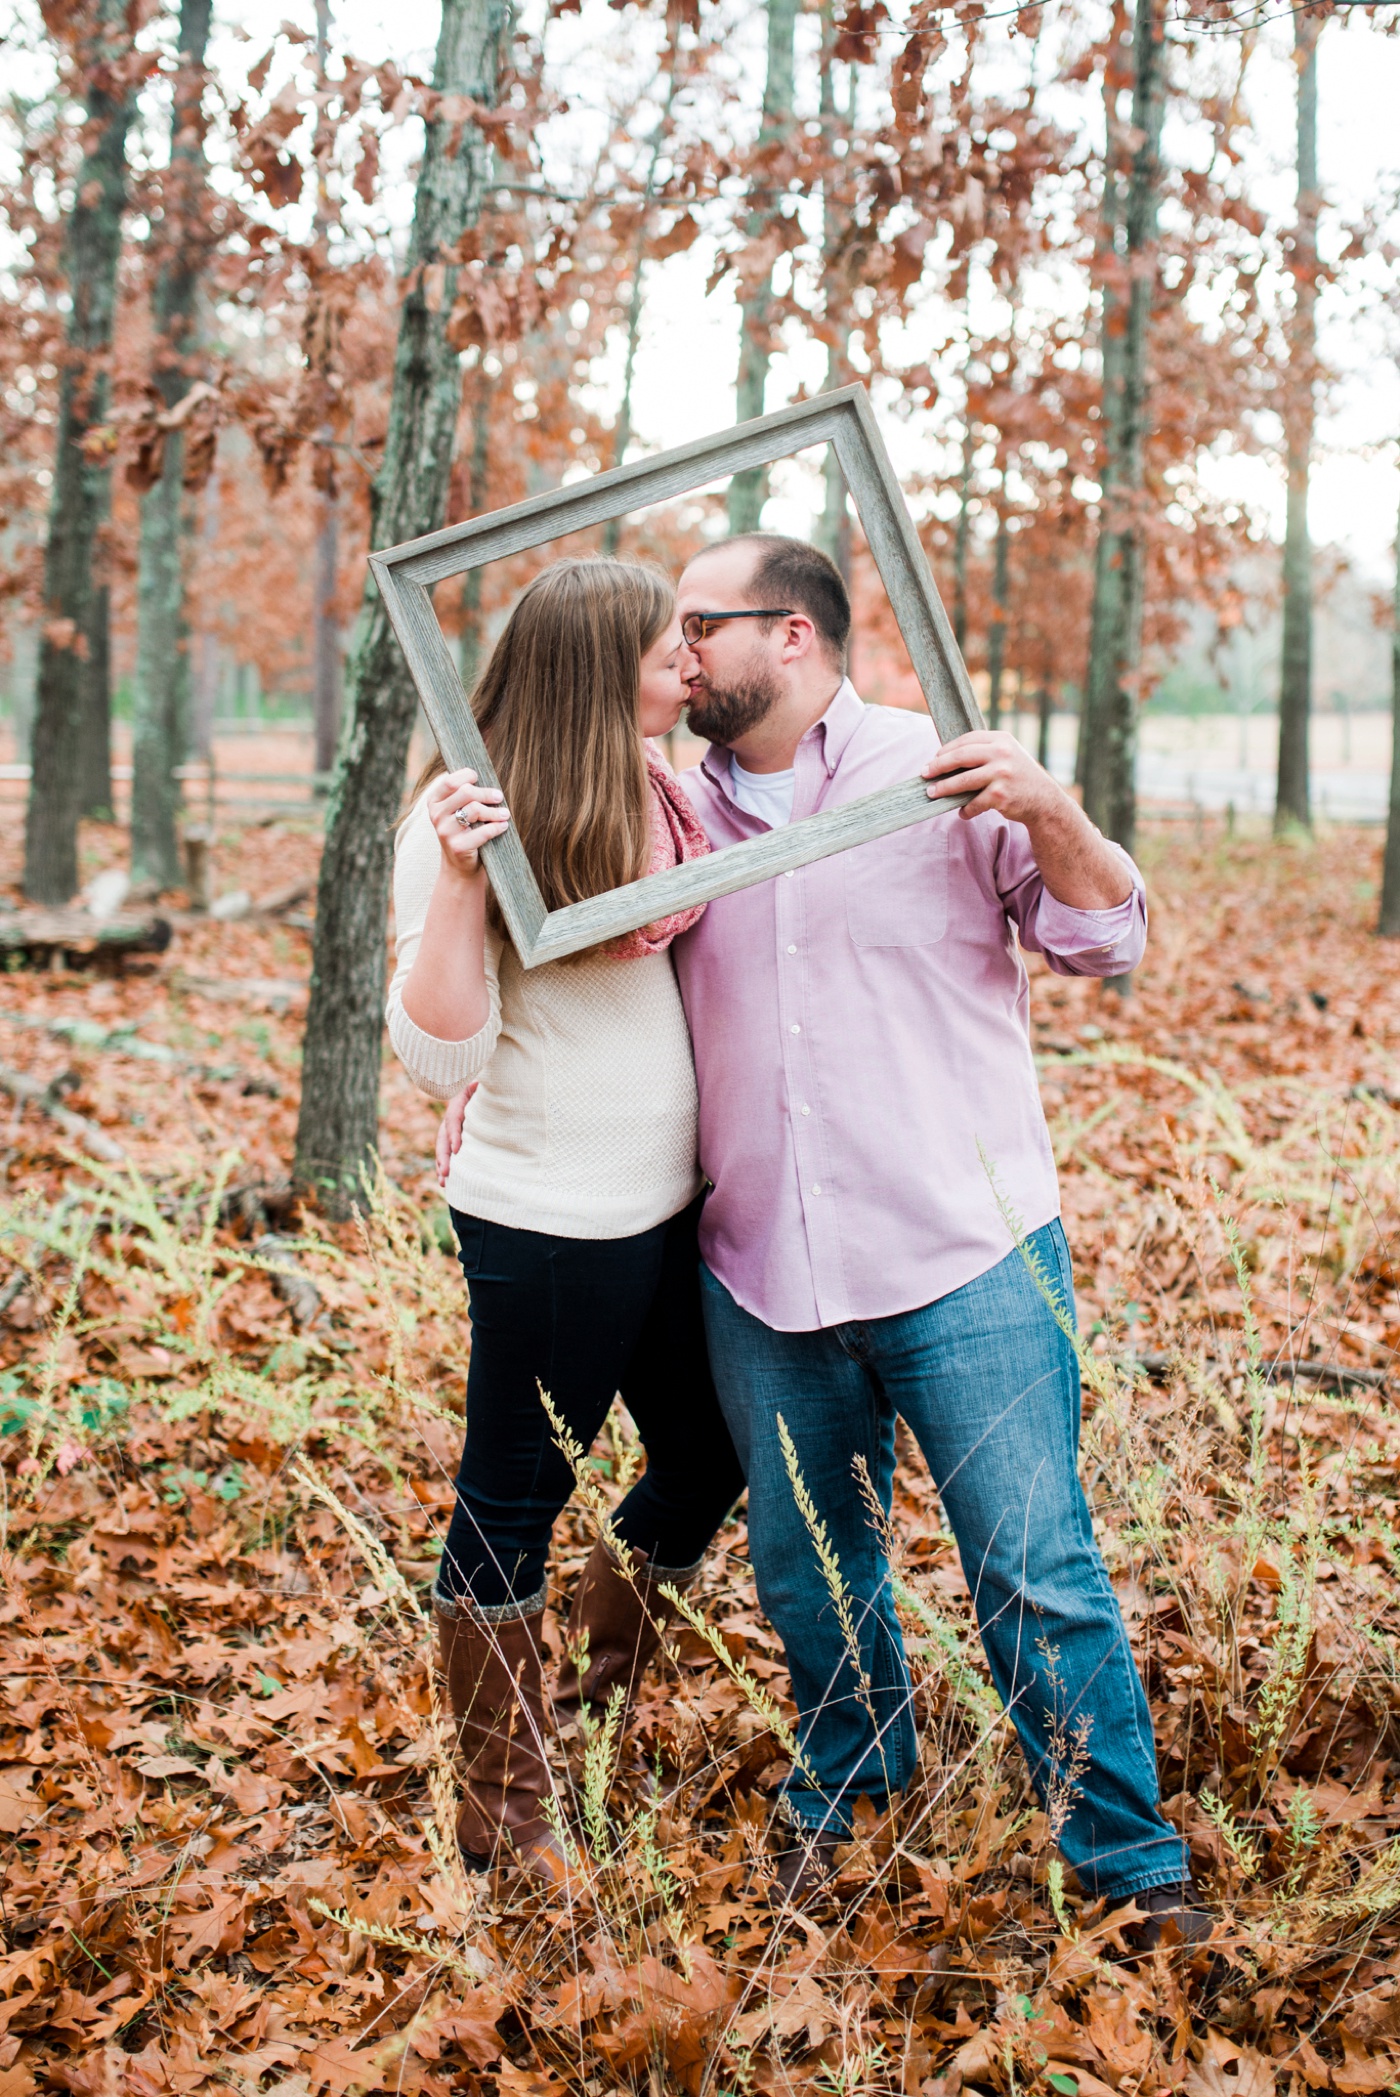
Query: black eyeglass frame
708	619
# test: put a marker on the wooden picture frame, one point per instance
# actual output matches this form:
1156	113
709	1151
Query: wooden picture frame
406	575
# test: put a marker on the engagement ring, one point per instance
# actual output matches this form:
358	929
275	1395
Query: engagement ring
459	815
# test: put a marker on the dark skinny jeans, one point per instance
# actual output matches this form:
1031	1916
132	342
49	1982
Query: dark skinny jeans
586	1319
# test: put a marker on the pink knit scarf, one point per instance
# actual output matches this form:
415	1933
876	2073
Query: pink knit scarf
676	837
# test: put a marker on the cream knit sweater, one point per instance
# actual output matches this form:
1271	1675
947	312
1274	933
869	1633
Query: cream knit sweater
584	1122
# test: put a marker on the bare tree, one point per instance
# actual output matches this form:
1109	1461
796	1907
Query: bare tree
1292	806
1389	926
73	654
325	627
1109	727
622	435
337	1128
748	491
1001	591
160	726
833	532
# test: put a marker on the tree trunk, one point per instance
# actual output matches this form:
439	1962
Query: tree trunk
325	636
622	435
469	648
338	1123
1291	805
960	539
1111	333
160	723
1045	709
95	742
1389	926
208	665
1109	728
325	627
81	485
996	639
749	491
833	533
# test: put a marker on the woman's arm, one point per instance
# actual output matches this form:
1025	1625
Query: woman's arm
445	993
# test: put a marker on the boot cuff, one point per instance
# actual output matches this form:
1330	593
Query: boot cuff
492	1613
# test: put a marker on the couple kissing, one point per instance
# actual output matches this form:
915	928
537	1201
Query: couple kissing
730	1168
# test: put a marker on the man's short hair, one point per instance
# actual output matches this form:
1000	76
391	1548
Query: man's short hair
794	573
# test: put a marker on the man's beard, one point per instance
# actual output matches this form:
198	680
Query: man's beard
723	716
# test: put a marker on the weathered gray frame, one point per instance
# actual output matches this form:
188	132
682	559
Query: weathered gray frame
406	575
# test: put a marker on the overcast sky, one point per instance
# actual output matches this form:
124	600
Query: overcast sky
684	380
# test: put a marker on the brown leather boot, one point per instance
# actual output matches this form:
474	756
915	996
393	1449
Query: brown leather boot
495	1687
624	1621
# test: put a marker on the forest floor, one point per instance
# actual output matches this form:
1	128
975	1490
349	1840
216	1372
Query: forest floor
228	1438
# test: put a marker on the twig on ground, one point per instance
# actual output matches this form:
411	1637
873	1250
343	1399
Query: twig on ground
30	1093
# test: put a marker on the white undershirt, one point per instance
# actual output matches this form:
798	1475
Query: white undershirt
767	795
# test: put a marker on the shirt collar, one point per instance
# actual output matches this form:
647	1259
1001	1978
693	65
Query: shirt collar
833	731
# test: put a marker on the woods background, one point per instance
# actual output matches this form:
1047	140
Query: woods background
275	292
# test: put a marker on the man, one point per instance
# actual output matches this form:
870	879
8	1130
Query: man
870	1120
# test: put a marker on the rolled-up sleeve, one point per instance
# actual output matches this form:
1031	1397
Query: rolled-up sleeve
439	1068
1091	942
1074	942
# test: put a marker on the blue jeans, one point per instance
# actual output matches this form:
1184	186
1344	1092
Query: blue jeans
989	1386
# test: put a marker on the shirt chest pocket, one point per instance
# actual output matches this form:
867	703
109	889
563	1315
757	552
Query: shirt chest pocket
897	887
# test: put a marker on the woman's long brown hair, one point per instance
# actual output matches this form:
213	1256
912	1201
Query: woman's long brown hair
559	707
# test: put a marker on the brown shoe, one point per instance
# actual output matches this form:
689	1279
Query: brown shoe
495	1687
623	1620
806	1866
1172	1916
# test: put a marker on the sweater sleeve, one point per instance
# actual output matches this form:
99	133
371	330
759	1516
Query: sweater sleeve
439	1068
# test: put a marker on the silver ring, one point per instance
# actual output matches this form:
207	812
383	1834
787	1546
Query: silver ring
459	815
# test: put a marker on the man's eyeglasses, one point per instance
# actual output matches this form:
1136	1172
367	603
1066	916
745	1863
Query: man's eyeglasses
700	625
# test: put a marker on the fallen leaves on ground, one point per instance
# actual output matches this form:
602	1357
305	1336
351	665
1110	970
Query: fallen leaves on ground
230	1440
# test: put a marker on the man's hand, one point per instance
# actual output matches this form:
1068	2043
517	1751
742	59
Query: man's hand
999	772
449	1135
1078	868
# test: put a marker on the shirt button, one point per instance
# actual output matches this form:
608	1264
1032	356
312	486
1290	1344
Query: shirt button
792	950
806	1110
816	1190
794	1028
788	871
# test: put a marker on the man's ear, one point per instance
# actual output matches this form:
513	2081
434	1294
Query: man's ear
799	637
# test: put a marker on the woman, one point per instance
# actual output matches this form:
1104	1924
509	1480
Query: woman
574	1192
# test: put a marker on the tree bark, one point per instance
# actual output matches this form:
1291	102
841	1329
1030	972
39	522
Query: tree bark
1109	727
469	647
161	712
208	665
1292	806
833	533
996	639
622	435
325	627
338	1123
78	506
325	636
960	538
95	741
1389	926
749	491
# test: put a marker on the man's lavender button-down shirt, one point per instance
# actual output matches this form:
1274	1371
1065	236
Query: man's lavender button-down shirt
861	1027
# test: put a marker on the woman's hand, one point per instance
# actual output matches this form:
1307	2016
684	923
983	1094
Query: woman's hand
449	1135
466	817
